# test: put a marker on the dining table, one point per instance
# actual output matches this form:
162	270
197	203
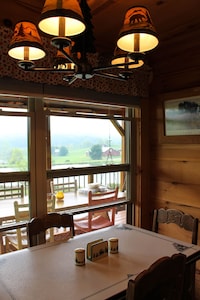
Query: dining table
71	201
49	271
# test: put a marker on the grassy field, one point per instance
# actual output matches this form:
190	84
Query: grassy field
79	156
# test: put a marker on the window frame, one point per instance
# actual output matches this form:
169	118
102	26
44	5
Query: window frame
37	110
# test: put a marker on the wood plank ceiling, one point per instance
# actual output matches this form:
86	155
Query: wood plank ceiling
177	23
171	18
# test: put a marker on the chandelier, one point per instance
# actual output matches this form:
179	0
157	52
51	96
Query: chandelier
64	21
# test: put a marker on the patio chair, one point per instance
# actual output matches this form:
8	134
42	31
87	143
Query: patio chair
51	203
12	192
164	279
100	218
37	227
64	187
17	239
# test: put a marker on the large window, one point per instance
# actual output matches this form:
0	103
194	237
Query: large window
89	146
14	166
14	142
84	142
65	145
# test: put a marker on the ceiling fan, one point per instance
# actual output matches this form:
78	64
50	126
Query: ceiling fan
74	46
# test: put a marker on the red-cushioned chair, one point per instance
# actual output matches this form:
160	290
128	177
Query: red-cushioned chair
100	218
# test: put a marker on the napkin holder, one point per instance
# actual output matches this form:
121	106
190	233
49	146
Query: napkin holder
97	249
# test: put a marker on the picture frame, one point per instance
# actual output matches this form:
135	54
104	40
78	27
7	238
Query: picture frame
182	117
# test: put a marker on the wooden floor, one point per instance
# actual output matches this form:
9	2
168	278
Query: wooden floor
120	218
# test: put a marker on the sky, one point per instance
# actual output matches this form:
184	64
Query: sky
82	125
16	126
13	126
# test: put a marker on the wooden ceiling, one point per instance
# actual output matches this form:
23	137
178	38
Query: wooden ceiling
171	18
177	24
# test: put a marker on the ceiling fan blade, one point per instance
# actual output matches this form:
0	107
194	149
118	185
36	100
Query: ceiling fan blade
110	76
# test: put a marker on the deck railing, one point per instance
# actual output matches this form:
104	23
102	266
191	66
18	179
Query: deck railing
13	189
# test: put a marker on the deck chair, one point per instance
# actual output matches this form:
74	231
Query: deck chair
37	227
100	218
51	203
55	234
64	187
163	280
12	192
182	220
17	239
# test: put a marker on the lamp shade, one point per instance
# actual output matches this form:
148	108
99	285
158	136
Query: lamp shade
26	43
61	18
121	57
138	33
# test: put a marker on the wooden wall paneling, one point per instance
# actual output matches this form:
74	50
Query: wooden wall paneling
177	172
194	211
182	152
183	194
156	117
145	165
174	160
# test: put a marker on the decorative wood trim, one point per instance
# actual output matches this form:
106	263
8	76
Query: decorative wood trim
86	171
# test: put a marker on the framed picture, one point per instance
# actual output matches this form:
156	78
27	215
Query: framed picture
182	116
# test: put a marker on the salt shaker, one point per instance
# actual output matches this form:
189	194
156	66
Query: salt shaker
79	256
113	245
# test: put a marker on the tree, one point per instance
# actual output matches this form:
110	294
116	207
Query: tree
96	152
63	151
18	159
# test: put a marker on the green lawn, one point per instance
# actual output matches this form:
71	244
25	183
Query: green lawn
79	156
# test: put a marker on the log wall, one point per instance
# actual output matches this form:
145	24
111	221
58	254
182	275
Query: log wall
174	160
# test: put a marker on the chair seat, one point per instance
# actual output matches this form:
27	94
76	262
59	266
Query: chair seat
98	222
98	218
62	235
12	239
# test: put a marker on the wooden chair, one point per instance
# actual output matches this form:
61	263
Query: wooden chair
64	187
36	228
100	218
17	239
51	203
182	220
164	279
12	192
163	218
